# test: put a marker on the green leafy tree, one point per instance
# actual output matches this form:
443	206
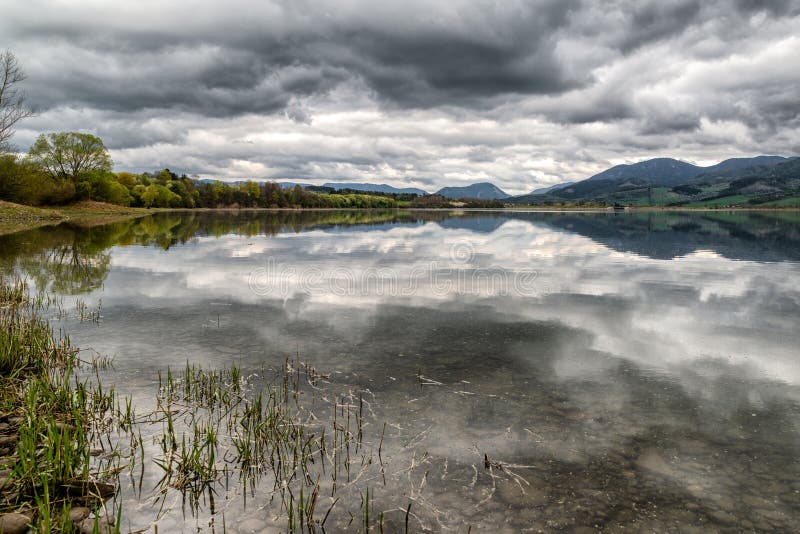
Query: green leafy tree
67	155
158	196
106	188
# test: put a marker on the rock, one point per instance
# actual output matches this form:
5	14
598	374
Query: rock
8	441
771	514
90	488
14	523
651	460
755	501
723	517
4	427
78	514
87	526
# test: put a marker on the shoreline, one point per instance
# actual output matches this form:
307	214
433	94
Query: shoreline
18	217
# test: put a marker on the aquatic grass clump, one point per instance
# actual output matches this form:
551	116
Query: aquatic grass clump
48	419
27	344
222	430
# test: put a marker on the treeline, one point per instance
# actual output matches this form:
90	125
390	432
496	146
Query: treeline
63	168
400	197
438	201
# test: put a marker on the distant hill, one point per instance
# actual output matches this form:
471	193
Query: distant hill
482	190
543	190
743	163
659	171
671	182
380	188
289	185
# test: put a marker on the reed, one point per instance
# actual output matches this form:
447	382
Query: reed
52	419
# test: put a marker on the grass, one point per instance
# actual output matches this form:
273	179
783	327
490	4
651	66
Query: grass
255	434
18	217
793	202
733	200
52	420
11	211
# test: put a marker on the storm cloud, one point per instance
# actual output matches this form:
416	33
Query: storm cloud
524	94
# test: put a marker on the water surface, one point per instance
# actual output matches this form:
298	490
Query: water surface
631	370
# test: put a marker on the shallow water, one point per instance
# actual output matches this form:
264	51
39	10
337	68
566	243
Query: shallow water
627	370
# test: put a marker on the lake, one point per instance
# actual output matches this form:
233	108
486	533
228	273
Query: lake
510	371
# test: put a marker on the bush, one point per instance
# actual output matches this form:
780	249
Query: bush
106	188
158	196
25	183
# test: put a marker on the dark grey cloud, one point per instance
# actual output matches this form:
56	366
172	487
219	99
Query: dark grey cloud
258	66
298	115
652	21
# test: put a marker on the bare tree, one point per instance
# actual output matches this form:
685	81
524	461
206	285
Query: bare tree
12	99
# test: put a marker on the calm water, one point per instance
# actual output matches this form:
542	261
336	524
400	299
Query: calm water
630	371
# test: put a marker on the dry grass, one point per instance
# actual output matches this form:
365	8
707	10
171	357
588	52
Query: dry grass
18	217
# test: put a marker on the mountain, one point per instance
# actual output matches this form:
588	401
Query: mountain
543	190
482	190
666	181
659	171
733	164
380	188
290	185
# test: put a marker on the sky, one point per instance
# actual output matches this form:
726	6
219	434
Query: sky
524	94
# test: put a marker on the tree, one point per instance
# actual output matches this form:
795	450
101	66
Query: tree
66	155
158	196
12	100
104	187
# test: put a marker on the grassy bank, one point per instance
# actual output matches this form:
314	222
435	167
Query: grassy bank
17	217
49	424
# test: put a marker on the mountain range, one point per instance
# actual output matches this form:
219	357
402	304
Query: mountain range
762	180
379	188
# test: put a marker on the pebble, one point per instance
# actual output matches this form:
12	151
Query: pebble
651	460
87	526
723	517
756	502
78	514
14	523
771	514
